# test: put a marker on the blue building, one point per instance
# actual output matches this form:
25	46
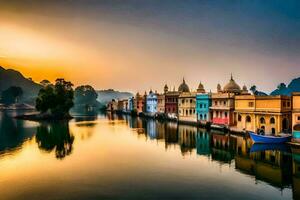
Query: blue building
130	103
203	102
151	103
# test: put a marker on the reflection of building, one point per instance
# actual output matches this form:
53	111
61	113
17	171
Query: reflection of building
273	167
268	113
151	103
222	148
296	173
187	138
203	103
151	129
223	103
296	116
203	141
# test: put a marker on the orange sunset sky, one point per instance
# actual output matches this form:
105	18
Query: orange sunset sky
130	46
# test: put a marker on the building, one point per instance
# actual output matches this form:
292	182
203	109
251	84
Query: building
186	104
151	103
222	108
130	104
296	116
203	103
161	103
139	103
268	114
112	106
171	102
123	105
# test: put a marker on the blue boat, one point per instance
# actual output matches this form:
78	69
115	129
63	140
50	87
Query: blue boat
270	139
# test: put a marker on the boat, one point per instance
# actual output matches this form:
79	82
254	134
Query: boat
269	138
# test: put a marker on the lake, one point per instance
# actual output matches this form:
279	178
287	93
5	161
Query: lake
119	157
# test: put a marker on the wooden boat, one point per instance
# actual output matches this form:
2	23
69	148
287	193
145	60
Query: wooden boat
270	139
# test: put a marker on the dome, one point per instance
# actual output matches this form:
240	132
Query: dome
232	86
183	87
201	88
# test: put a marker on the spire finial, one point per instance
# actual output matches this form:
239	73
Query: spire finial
183	80
231	78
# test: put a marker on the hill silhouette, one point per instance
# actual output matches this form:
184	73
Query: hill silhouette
10	77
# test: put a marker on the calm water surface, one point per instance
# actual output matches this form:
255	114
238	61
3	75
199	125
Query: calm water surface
118	157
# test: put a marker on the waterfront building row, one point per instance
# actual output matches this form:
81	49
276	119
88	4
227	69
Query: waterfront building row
231	107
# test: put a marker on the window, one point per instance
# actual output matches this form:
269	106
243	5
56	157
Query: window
191	100
298	118
186	112
201	105
217	113
272	120
182	101
205	116
251	104
200	116
224	102
284	104
248	119
288	104
262	120
226	114
204	105
216	103
239	118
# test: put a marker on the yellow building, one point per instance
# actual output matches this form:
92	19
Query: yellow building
296	116
187	107
270	114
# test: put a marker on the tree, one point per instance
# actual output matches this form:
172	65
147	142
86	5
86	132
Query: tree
281	86
45	83
12	95
85	95
57	99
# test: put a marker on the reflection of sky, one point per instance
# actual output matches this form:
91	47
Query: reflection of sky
256	40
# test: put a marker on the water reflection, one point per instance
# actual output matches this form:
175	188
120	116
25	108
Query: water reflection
55	137
275	164
13	133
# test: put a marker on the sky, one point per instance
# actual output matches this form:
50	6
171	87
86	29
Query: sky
135	45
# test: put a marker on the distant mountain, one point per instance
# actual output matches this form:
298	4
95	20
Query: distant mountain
10	77
104	96
282	89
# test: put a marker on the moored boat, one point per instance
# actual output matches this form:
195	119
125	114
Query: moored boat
269	138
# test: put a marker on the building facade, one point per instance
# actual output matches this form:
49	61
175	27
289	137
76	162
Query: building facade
139	103
222	108
161	103
203	103
267	114
130	104
171	102
151	103
187	107
296	116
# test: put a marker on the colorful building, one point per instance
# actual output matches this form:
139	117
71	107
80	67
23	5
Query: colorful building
139	103
122	105
269	114
171	102
203	103
151	103
222	108
130	104
161	103
186	104
112	106
296	116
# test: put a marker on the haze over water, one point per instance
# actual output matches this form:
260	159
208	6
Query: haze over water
119	157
